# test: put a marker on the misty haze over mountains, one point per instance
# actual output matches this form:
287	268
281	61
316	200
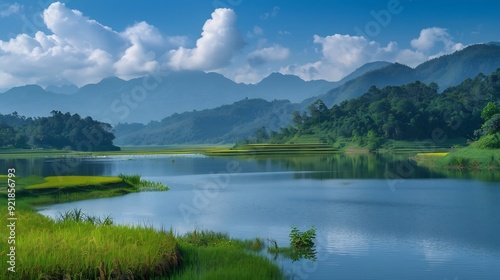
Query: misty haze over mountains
153	98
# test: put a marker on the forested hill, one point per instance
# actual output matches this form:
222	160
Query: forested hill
408	112
59	131
225	124
447	70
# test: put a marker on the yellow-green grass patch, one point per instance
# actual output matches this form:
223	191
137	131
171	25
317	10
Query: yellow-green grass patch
74	181
441	154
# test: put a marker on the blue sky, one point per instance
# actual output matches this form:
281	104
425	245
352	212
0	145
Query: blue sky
79	42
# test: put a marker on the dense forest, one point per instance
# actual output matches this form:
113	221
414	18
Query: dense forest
414	111
60	131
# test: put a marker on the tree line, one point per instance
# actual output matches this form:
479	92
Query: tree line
59	131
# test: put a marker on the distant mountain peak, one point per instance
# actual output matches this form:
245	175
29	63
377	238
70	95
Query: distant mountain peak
370	66
111	79
64	89
279	77
27	88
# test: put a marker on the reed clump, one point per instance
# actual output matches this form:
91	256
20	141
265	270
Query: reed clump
143	185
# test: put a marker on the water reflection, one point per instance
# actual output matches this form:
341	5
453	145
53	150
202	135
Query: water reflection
56	166
328	166
367	166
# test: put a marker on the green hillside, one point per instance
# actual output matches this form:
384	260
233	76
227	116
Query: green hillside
415	111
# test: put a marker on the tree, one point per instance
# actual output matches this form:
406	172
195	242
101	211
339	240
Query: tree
261	135
297	119
7	135
492	125
56	131
490	130
489	111
318	111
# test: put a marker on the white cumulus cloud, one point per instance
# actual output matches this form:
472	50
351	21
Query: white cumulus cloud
429	37
79	31
342	54
80	50
219	42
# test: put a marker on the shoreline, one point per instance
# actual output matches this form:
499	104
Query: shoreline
180	257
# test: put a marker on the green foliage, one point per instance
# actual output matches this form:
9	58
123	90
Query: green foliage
143	185
490	131
490	141
302	244
134	180
492	125
151	186
300	239
489	111
409	112
60	131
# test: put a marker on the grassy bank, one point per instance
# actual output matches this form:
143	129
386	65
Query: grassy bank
37	190
77	246
273	149
468	158
48	249
211	255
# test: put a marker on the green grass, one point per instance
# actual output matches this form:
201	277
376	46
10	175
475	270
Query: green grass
37	190
212	255
469	158
48	249
57	189
143	185
472	158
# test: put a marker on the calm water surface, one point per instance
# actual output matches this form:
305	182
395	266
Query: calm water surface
376	217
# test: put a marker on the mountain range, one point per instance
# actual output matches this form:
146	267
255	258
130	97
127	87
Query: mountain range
114	100
447	70
190	94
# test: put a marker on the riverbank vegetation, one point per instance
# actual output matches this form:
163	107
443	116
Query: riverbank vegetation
212	255
36	190
483	154
469	158
80	249
80	246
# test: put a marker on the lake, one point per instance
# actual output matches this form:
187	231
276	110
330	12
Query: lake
376	216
